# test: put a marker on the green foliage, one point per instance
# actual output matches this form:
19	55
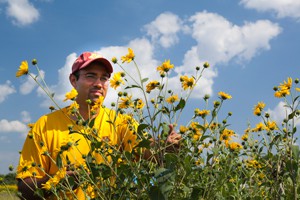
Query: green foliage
211	162
9	179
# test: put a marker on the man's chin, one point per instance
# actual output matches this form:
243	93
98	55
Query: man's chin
95	98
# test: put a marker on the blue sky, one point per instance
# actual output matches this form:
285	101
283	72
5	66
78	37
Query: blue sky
251	45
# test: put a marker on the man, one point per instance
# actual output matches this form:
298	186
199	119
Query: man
39	158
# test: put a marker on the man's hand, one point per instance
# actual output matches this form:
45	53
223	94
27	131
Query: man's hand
173	140
72	173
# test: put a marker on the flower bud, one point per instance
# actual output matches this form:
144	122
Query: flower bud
34	61
11	168
297	80
206	65
114	60
206	97
51	108
197	68
216	104
88	101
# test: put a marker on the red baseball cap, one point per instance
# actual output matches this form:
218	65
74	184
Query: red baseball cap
86	58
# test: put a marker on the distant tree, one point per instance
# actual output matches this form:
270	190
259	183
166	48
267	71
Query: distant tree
9	179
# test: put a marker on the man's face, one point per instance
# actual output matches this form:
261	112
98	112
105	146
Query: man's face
93	82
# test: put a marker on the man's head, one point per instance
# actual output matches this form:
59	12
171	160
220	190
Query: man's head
90	76
88	57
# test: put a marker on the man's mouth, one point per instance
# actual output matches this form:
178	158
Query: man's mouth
97	92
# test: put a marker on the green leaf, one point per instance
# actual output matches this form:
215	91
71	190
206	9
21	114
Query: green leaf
196	193
155	193
159	172
89	158
97	144
294	130
180	105
105	171
132	86
166	129
154	116
71	181
39	192
145	80
144	143
128	155
215	150
141	128
187	165
296	99
59	161
295	151
165	189
162	175
171	160
292	115
92	122
166	110
209	156
201	127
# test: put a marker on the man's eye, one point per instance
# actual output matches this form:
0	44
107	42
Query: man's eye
104	79
91	76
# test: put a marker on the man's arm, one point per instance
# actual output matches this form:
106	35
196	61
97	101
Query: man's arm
27	187
172	145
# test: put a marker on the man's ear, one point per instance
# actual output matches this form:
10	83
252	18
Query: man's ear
73	80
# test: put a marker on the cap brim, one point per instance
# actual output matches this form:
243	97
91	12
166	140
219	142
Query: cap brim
106	63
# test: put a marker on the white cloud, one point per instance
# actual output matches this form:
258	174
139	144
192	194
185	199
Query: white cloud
25	116
63	85
143	50
22	12
282	8
5	90
190	61
220	41
12	126
163	30
281	112
28	86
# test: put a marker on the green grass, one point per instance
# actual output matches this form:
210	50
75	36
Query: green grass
8	195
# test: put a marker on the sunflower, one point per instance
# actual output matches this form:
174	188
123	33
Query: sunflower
23	69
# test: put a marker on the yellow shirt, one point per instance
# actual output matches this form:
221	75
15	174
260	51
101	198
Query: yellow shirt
51	132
